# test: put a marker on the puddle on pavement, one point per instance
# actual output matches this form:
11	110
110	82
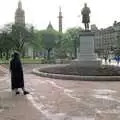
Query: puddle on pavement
42	97
5	89
81	118
104	94
68	91
111	114
103	97
63	116
104	91
1	110
114	111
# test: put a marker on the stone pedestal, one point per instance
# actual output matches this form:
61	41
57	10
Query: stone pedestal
86	54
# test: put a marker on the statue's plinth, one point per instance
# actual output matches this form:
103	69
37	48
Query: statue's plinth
86	54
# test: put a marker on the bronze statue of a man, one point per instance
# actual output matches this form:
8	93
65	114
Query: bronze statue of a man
85	16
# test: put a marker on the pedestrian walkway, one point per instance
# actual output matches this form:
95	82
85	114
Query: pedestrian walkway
14	107
52	99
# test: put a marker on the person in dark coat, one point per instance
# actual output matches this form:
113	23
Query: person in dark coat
17	78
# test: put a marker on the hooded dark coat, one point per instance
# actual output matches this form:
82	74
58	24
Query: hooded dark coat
17	79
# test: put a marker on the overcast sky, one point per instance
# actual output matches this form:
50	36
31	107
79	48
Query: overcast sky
40	12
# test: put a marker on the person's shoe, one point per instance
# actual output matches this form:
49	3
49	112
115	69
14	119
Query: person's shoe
17	92
26	92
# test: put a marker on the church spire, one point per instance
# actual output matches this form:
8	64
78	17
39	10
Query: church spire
50	27
60	20
20	4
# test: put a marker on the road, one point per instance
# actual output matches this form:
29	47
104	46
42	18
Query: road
72	100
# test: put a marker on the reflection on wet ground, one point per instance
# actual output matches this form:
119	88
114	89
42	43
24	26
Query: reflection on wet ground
74	100
71	100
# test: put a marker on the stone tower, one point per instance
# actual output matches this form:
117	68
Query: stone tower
20	15
60	20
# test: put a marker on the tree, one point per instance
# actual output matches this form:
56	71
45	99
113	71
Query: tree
13	37
48	40
6	43
70	41
58	48
21	35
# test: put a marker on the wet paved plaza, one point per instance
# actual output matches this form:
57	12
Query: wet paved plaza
75	100
72	100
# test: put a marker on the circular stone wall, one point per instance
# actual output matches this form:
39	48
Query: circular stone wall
69	72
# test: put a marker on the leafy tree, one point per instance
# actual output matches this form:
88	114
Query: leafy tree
58	48
20	36
14	37
48	40
70	41
6	43
37	42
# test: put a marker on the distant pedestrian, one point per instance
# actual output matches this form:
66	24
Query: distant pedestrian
109	61
117	58
17	77
105	58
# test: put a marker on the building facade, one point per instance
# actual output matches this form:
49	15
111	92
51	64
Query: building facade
20	20
106	40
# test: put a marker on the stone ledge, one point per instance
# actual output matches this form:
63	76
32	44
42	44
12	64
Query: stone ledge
85	63
86	33
76	77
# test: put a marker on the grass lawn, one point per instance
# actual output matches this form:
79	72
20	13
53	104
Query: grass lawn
24	61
